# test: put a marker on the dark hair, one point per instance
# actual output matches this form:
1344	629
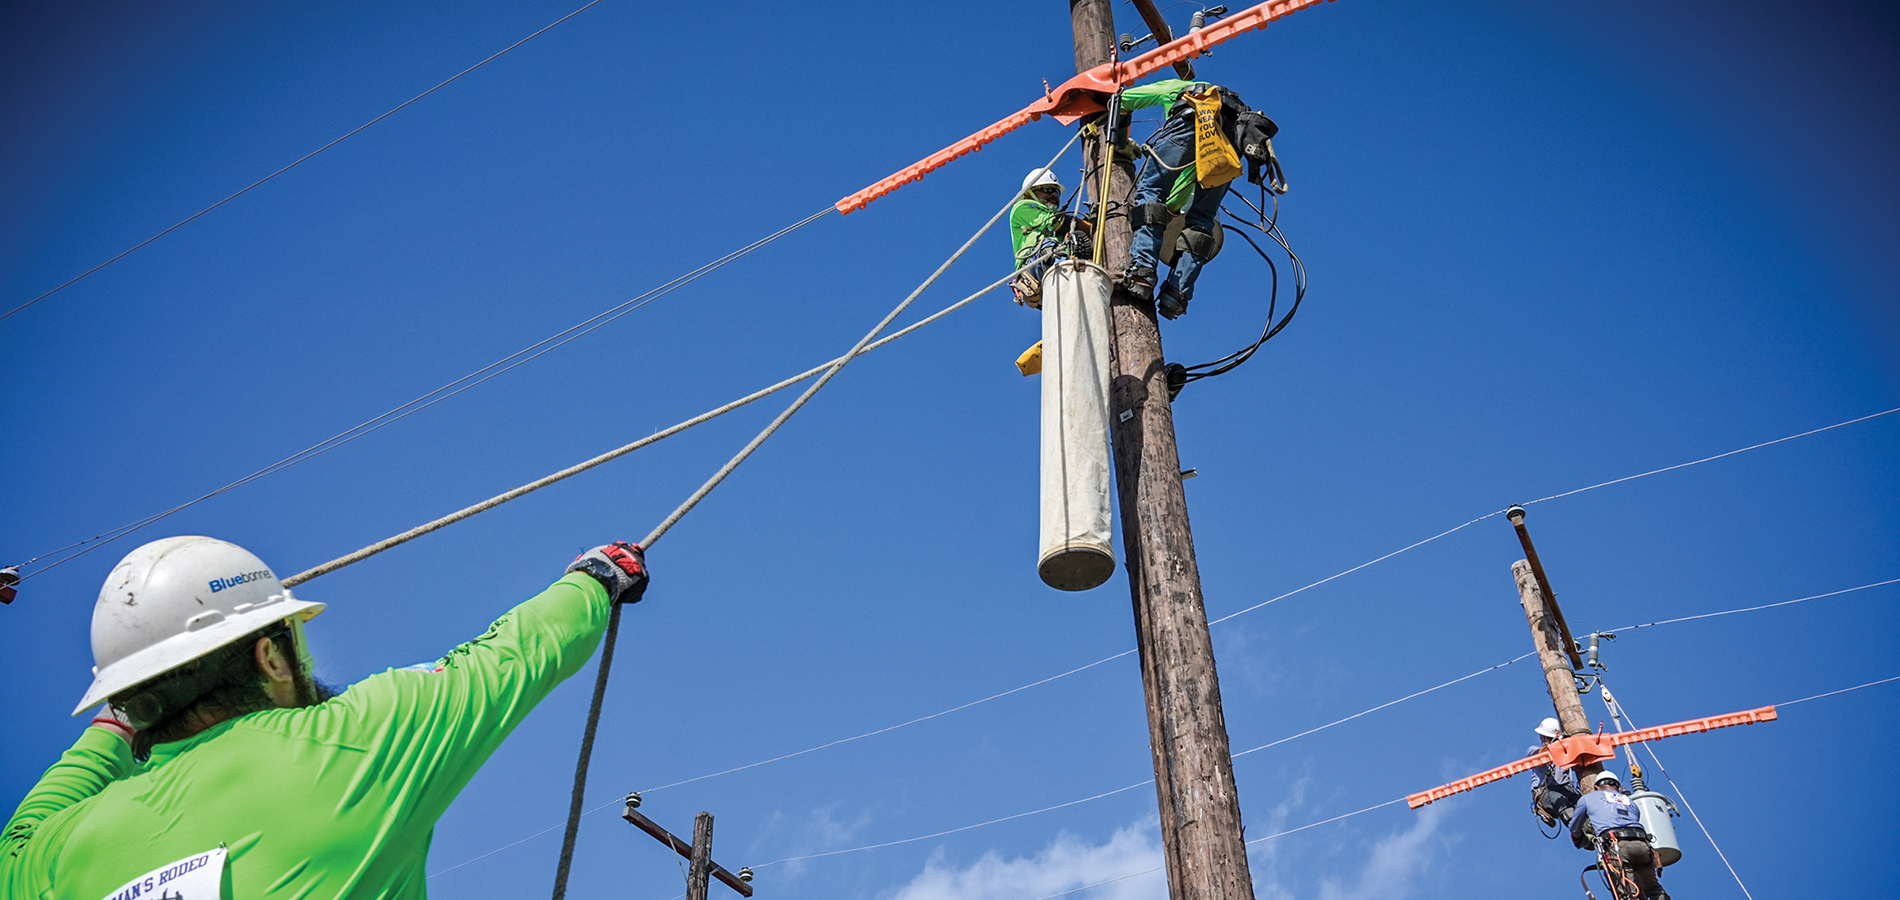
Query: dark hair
225	683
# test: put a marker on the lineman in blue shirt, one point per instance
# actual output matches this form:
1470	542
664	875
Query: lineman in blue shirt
1607	819
1554	790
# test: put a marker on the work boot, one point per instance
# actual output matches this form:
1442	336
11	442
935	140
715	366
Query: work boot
1139	283
1172	304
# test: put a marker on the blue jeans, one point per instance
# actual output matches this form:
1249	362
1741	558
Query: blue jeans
1175	147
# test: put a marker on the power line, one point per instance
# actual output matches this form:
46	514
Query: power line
1841	691
1276	599
660	530
1249	843
1715	457
300	160
1620	707
1730	612
431	398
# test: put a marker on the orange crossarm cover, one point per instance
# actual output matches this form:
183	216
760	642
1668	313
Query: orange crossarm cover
1588	748
1077	97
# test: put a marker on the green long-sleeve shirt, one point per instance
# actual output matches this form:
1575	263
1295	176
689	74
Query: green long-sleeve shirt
1030	221
329	801
1165	93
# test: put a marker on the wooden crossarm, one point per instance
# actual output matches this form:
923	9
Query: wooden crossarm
1587	748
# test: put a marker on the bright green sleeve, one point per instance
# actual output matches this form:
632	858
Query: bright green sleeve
430	730
97	759
1029	223
1160	93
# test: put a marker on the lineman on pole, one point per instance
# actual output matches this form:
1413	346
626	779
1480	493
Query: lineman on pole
1038	227
1607	820
222	768
1554	791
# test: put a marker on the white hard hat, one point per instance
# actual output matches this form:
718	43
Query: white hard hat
1604	776
176	600
1549	728
1038	178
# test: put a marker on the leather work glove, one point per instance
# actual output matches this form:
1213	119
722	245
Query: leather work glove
620	567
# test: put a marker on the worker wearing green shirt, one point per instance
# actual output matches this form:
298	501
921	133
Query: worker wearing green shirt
1037	227
1165	180
224	770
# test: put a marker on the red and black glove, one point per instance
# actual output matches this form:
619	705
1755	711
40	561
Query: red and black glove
620	567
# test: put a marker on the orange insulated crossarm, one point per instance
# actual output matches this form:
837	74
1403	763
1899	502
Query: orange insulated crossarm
1588	748
1083	94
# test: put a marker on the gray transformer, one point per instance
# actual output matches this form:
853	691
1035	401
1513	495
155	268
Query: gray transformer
1655	810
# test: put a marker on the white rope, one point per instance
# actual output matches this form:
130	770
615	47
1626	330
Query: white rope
615	453
1685	802
459	385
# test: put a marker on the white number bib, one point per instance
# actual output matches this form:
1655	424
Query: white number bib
199	876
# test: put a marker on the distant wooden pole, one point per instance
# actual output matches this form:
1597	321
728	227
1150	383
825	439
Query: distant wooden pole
699	874
1162	33
1194	774
1558	676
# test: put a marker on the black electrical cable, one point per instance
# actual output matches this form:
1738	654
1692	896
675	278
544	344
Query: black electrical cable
1269	226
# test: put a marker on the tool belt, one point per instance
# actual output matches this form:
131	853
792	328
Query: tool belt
1629	834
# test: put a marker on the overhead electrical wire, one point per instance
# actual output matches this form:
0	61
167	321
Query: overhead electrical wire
1730	612
613	620
300	160
1258	840
1618	709
1229	616
1150	780
431	398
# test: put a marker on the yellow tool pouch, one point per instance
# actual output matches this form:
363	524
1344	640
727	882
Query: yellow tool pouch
1215	161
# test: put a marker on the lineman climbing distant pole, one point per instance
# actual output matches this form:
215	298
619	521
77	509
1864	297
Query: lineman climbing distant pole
1554	790
1607	821
1206	856
220	758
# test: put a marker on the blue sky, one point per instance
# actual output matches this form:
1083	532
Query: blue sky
1550	245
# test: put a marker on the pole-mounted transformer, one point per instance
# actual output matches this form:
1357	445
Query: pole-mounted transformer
1074	553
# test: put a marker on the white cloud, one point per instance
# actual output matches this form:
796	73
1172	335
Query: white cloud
1396	863
1068	863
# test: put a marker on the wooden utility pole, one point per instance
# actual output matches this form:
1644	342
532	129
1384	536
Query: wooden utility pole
1194	772
698	874
703	870
1551	636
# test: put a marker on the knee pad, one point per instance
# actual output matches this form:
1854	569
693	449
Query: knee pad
1149	214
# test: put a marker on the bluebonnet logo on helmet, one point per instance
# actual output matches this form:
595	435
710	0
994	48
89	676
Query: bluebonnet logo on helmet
219	584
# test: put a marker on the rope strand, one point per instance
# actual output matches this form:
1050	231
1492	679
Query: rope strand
660	530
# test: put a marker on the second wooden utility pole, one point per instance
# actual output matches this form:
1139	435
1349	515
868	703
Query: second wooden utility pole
1194	771
1551	635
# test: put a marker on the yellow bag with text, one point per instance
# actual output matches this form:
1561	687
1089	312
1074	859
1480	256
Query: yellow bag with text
1215	161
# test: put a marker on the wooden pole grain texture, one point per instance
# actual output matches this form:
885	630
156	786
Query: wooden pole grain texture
1558	676
1201	838
699	873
